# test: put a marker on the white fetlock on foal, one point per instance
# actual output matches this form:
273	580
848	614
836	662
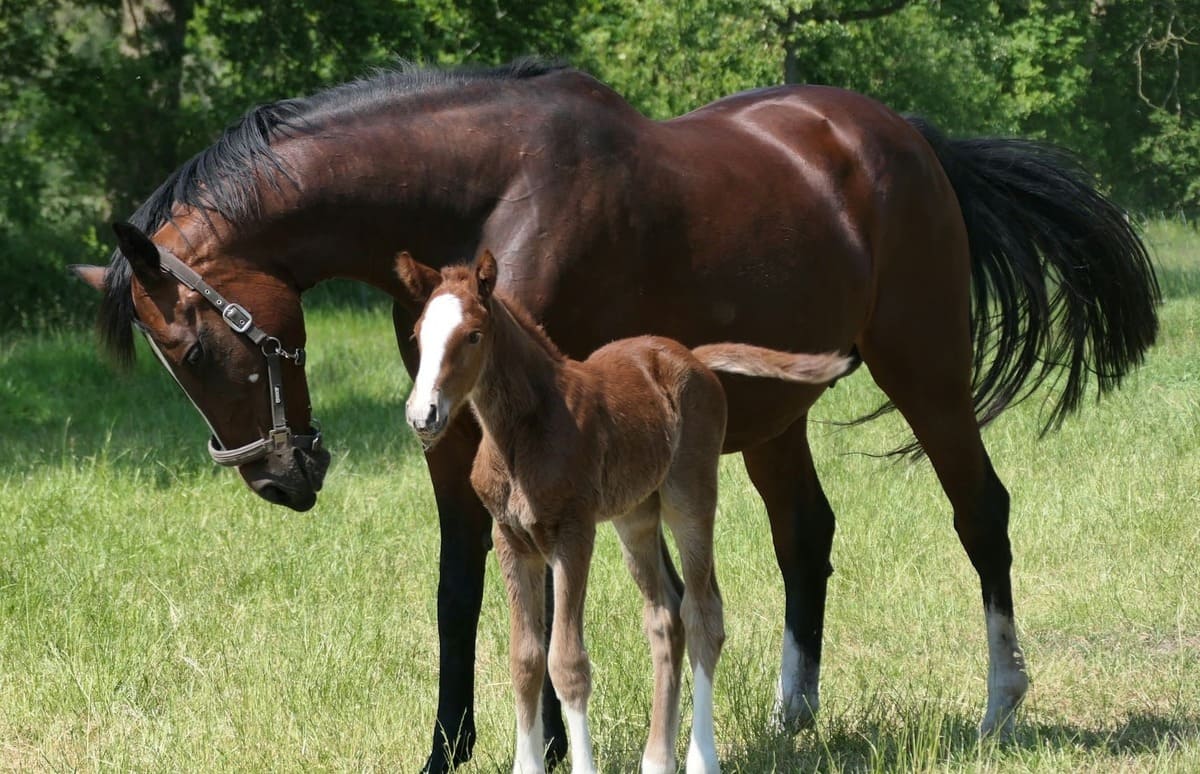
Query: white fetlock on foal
531	745
702	752
580	740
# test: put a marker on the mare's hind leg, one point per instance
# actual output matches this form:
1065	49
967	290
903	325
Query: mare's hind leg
802	527
924	365
642	544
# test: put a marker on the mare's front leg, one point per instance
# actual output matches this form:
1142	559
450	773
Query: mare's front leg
465	538
802	525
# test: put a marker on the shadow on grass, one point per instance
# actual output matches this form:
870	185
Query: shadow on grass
1179	281
868	746
60	401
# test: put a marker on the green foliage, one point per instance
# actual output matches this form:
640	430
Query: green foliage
670	57
100	99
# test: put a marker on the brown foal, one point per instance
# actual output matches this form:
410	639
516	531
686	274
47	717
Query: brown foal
631	434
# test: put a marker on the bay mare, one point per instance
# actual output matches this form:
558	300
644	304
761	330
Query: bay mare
800	218
633	435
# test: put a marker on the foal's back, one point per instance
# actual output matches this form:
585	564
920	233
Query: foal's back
651	408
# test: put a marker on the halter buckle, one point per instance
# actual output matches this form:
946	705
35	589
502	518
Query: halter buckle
279	438
238	318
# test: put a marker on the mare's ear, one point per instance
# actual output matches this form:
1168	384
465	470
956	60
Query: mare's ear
418	279
141	253
485	274
92	275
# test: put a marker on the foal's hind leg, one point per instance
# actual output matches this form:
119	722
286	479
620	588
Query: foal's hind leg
924	367
570	670
689	504
642	544
802	527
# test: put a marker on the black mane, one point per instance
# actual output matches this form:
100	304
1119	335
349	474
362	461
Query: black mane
224	177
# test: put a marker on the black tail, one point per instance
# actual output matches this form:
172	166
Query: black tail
1060	278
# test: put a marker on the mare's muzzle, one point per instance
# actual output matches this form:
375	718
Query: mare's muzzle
291	478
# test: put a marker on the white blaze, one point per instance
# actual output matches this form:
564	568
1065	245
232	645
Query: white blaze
443	315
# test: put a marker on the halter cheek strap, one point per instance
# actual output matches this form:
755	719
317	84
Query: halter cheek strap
280	436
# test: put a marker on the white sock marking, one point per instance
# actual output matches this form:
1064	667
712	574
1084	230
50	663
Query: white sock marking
796	692
579	740
531	746
702	752
1007	679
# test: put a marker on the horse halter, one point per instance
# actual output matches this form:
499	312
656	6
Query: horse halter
280	436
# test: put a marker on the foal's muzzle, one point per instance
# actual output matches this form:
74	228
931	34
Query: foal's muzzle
428	418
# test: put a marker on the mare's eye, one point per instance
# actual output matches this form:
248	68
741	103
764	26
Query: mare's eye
475	337
194	355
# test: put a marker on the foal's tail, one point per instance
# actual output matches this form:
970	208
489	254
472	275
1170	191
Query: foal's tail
1060	278
748	360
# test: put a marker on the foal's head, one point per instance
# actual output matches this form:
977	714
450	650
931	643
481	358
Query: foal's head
453	334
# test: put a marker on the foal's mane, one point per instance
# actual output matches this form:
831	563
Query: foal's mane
525	320
224	178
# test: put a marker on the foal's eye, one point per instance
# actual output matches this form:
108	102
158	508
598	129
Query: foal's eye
194	355
475	337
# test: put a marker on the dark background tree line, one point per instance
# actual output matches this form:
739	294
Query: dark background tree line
101	99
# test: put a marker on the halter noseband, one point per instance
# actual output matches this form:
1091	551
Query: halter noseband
280	436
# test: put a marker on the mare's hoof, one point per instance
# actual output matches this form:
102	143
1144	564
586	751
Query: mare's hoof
556	751
443	760
797	716
998	725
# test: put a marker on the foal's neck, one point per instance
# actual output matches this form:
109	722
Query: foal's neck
520	377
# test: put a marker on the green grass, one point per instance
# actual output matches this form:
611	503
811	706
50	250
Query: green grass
156	616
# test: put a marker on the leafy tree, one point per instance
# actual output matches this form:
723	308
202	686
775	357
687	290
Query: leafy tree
100	99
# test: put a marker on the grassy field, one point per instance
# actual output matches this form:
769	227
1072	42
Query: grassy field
156	616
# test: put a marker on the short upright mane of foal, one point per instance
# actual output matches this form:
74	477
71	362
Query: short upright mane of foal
631	434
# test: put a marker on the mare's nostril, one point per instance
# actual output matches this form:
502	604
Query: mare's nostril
431	417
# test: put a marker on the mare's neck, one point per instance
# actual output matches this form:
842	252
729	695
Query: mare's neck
366	187
521	377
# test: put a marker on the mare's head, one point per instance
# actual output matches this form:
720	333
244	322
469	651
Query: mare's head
453	334
232	336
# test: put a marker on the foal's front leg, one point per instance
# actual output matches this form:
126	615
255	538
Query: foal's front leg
524	574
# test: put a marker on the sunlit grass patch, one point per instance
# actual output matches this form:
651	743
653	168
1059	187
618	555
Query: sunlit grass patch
157	616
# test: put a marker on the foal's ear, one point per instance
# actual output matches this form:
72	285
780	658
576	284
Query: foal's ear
418	279
485	274
141	253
